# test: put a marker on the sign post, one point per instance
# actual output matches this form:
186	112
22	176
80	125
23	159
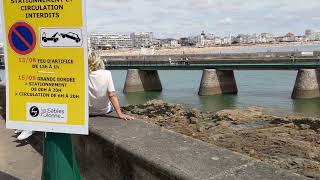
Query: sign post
46	76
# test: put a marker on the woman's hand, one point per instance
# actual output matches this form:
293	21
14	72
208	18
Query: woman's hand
126	117
114	100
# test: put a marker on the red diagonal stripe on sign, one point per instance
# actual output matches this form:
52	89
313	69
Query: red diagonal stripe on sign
22	38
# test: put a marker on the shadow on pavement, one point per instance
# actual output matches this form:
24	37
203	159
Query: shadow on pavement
35	140
4	176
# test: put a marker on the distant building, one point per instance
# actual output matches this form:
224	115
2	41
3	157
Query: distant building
211	42
142	39
209	36
308	32
226	41
242	39
266	38
110	40
174	43
201	40
170	43
184	41
312	35
193	40
157	42
289	38
301	39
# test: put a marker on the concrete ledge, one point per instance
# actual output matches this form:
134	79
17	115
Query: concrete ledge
136	150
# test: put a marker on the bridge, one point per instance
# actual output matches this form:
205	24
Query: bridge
239	61
183	65
218	76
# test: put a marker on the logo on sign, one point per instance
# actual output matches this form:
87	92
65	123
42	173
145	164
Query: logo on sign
34	111
22	38
47	112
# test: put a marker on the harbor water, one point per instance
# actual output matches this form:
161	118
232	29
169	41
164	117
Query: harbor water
268	89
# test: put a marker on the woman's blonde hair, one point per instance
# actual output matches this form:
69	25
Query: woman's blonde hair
95	63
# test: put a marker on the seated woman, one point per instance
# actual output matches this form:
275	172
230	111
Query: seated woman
102	94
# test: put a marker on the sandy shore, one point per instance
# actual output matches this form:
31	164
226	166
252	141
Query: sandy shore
290	142
194	50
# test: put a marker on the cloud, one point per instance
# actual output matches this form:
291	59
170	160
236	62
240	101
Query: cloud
175	18
226	20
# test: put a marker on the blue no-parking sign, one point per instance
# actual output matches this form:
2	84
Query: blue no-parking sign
22	38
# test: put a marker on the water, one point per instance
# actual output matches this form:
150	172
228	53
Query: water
289	48
269	89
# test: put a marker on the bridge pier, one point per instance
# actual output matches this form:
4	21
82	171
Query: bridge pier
307	84
215	82
142	80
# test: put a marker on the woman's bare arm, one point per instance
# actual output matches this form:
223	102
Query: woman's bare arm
114	100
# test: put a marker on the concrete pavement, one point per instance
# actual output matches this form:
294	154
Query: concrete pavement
18	160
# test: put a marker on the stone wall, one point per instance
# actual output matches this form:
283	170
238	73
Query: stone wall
135	150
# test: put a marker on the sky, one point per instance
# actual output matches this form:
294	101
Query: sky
178	18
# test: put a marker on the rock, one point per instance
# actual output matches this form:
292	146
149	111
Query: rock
312	155
252	152
209	126
304	126
195	113
273	139
224	124
194	120
312	174
155	102
201	128
255	109
290	125
138	111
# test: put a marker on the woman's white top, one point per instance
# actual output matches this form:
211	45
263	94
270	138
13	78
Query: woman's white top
100	82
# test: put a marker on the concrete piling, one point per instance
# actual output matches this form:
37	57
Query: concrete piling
307	84
142	80
215	82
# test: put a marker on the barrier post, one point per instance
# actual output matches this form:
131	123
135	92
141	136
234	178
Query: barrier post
59	158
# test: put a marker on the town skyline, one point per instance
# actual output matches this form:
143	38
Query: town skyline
207	32
176	18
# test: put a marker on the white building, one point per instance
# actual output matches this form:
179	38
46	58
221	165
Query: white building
170	43
226	40
174	43
201	40
142	39
312	35
110	40
209	42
